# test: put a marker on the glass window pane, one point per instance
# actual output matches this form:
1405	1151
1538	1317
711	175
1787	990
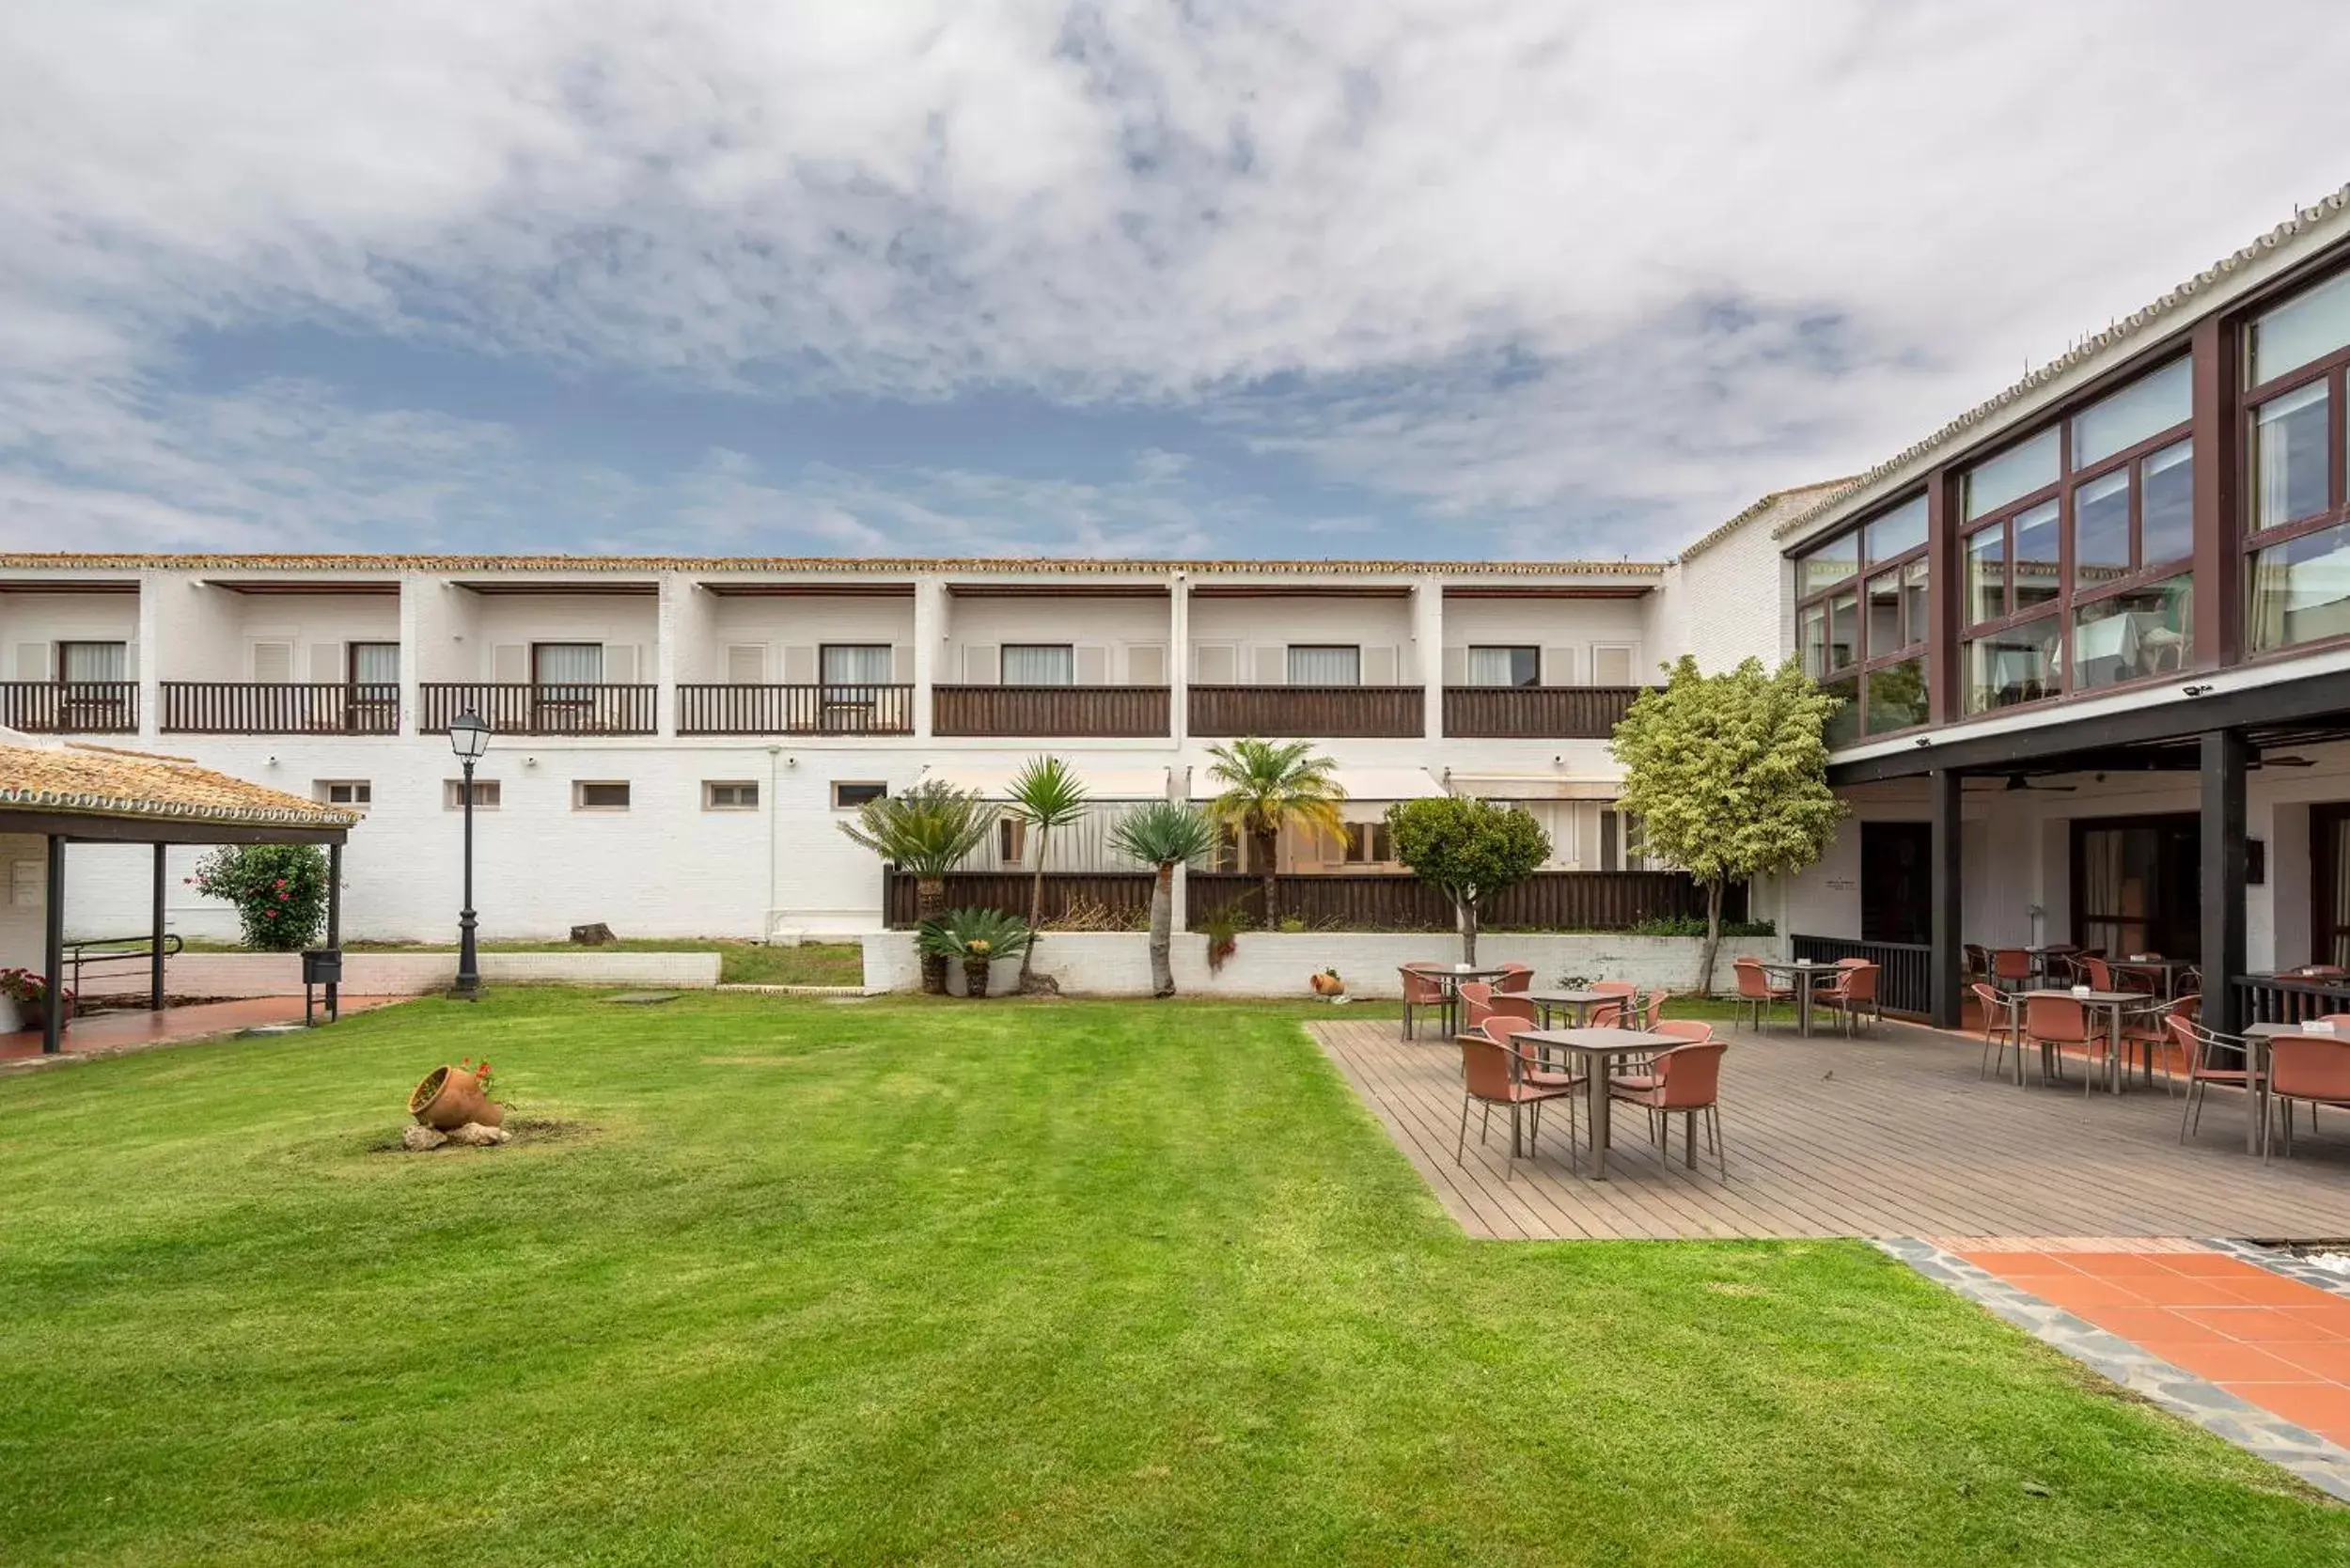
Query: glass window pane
1504	667
375	663
1811	638
1843	725
1914	599
855	665
2146	407
2018	471
2018	665
2308	326
2100	529
1844	630
2166	529
1326	666
1896	698
95	660
2300	591
2038	567
2289	461
2147	631
1039	665
1986	573
1899	531
1827	566
573	664
1885	615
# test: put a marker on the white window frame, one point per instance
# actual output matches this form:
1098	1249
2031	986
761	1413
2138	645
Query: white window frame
840	784
363	792
709	795
453	795
581	786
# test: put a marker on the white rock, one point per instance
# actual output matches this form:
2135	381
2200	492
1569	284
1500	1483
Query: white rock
421	1138
474	1135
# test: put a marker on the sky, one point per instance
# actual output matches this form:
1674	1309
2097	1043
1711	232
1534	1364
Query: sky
1424	278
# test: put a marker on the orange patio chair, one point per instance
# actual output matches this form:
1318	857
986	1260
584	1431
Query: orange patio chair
2053	1023
2224	1060
1420	992
1503	1029
1516	980
2003	1030
2306	1069
2011	967
1756	993
1493	1074
1853	995
1686	1082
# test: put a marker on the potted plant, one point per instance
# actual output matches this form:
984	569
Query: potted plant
1328	984
1222	930
24	996
974	938
448	1097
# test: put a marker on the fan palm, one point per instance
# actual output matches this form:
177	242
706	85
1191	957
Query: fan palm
1046	794
1269	785
1162	835
926	832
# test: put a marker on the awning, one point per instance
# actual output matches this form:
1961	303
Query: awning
1358	783
1532	786
993	782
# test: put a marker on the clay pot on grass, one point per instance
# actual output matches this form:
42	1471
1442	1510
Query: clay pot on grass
449	1097
1328	984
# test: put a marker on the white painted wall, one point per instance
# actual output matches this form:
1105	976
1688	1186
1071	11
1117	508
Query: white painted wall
1567	630
32	624
977	629
790	630
1250	624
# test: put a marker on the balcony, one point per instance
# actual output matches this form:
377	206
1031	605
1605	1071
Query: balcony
1089	711
521	708
70	707
280	708
1546	713
795	710
1318	712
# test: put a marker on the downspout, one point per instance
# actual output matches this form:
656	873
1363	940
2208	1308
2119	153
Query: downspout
773	807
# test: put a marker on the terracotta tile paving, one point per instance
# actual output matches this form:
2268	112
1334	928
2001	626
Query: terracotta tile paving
2276	1342
108	1033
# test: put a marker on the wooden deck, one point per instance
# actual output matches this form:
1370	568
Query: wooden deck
1891	1134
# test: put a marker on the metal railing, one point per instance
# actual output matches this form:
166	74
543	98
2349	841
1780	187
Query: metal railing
795	710
280	708
2286	999
1904	969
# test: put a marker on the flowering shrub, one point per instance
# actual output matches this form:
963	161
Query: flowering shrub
25	987
279	891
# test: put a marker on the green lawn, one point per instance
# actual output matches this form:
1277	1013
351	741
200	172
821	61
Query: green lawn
1083	1282
739	962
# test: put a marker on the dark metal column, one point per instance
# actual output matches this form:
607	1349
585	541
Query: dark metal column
335	925
2225	756
1947	995
155	959
53	962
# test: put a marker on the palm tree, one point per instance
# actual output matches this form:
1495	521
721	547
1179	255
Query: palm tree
926	831
1046	794
1164	835
1269	785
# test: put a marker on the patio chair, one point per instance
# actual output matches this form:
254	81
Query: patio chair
1686	1082
1851	994
1651	1011
2100	973
2147	1029
2011	967
2133	977
1493	1074
1420	992
2053	1023
2306	1069
1756	993
1613	1014
1477	1003
2205	1052
2002	1026
1516	980
1977	960
1696	1030
1503	1029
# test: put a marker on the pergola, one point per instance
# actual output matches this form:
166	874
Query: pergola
89	794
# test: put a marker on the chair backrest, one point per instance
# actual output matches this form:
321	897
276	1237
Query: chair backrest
1486	1067
2337	1020
1689	1074
1515	979
2100	972
1752	983
2310	1066
2190	1006
1615	988
1498	1027
1651	1012
1686	1029
1978	957
1419	988
1860	983
2011	964
1477	1001
1509	1007
1995	1002
1605	1016
1850	962
2055	1018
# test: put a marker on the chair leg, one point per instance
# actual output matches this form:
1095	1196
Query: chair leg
1722	1150
1460	1148
2186	1111
1689	1139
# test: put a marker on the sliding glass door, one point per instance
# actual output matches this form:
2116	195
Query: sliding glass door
2137	886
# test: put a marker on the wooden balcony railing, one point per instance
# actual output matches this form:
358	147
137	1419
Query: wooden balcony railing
1385	900
70	707
1549	713
280	708
1308	712
795	710
1049	710
521	707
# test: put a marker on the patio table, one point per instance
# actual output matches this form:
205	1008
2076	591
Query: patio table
2166	971
2112	1002
1598	1049
1577	1005
1452	976
2041	955
1800	970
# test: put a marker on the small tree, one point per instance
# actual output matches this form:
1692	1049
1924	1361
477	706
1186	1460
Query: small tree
1470	848
1162	835
279	891
1727	774
1267	786
1046	794
926	831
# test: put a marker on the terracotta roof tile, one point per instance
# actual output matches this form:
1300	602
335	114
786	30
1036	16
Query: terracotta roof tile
818	565
104	782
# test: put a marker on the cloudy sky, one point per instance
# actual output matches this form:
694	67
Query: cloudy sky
1420	277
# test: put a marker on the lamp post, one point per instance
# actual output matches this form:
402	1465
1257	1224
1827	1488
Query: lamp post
469	737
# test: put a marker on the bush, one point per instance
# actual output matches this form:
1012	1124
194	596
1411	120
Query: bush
1693	925
279	891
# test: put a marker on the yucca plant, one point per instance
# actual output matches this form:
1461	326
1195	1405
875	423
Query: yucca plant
976	938
1162	835
1046	794
926	832
1267	786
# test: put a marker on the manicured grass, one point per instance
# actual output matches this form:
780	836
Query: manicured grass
739	962
1009	1282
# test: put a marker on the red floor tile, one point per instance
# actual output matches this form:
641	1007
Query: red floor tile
2129	1266
2322	1408
2148	1325
2224	1361
2261	1325
2262	1289
2327	1359
2190	1290
2211	1265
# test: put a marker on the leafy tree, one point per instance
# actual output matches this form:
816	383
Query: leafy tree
279	891
1727	774
1164	835
1470	848
926	831
1269	785
1046	794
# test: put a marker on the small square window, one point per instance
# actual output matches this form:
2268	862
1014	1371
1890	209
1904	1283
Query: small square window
344	791
725	794
1011	841
848	798
485	794
599	794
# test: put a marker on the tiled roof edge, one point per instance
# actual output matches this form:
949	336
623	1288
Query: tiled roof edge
1776	496
69	801
828	565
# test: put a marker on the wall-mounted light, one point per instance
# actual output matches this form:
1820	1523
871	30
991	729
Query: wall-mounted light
2197	690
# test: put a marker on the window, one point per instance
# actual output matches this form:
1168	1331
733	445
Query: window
599	794
343	791
375	663
2019	664
2300	591
1325	664
2140	632
1863	636
1611	665
2296	360
1031	663
93	661
2021	470
567	664
485	794
847	664
1505	667
849	796
1011	841
1367	844
730	794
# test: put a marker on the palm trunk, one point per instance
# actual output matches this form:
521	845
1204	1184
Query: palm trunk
1267	869
1036	908
929	902
1712	937
1163	932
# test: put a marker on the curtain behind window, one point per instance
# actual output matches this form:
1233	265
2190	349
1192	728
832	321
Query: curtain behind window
1034	665
1503	667
857	665
97	661
1326	666
375	663
570	664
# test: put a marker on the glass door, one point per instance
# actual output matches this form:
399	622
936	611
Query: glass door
2137	886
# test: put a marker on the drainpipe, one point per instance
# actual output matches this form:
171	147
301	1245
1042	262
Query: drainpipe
773	807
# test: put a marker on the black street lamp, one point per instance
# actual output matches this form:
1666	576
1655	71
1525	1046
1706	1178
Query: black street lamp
469	737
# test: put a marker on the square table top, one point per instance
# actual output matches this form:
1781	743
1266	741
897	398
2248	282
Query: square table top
2270	1031
1602	1041
2048	948
1798	964
2099	999
1577	996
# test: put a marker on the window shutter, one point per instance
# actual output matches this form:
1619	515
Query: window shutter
509	662
1146	664
1557	666
979	660
1610	665
326	662
1272	668
1092	665
1456	667
901	664
34	662
272	662
746	664
620	664
1379	666
799	665
130	661
1218	663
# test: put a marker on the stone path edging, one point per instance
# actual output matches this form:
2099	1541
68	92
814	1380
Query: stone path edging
2284	1263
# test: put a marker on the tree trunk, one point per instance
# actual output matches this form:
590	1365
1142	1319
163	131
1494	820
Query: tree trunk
1465	915
1268	869
1163	932
1712	937
929	902
1036	908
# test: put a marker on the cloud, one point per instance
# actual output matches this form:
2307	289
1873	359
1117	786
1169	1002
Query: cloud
1551	270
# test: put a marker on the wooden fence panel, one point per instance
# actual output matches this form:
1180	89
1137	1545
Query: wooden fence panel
1126	894
1049	710
1549	900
